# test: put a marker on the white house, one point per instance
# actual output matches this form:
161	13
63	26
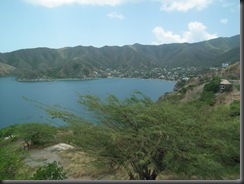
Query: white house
185	78
224	65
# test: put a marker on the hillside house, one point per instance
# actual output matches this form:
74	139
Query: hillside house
224	65
185	78
224	84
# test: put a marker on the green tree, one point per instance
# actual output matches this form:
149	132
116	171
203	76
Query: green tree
209	90
37	133
51	171
213	85
147	138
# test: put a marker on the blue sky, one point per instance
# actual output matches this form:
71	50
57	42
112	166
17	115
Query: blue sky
62	23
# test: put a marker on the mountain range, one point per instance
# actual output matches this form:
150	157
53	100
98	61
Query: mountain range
89	62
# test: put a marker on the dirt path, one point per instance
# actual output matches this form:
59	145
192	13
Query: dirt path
40	157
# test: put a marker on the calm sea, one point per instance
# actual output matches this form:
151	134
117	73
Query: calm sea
14	108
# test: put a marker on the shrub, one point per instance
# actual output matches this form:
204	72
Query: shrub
235	108
208	98
51	171
37	133
212	86
237	86
11	161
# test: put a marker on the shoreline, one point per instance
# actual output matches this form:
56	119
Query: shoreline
51	80
83	79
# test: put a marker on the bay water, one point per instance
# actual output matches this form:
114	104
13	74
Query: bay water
15	109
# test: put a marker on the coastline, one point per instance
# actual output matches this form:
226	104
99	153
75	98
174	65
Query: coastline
81	79
51	80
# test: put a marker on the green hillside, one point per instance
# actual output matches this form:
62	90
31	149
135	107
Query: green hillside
92	62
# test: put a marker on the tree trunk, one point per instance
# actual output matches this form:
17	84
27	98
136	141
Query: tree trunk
147	175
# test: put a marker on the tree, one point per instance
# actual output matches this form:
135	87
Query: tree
213	85
51	171
147	138
37	133
209	90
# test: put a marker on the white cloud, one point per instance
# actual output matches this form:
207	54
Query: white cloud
116	15
224	21
165	36
184	5
54	3
196	32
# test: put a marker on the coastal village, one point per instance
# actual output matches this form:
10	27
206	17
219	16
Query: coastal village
164	73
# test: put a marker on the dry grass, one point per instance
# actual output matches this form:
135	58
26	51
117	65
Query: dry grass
193	94
227	97
77	163
26	172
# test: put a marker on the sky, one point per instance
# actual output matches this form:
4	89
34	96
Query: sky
68	23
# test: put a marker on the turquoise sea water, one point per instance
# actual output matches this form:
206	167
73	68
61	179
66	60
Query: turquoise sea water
15	109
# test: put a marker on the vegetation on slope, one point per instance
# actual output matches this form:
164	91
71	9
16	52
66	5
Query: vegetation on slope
82	62
6	69
145	139
142	140
207	87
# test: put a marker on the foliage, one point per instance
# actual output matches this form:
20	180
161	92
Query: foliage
179	84
209	90
7	131
11	162
52	63
208	98
147	138
213	85
235	108
183	90
237	86
51	171
37	133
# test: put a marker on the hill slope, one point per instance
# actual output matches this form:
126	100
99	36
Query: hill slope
192	90
6	69
83	62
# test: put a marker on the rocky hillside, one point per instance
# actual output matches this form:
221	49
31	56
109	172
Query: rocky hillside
6	69
192	90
